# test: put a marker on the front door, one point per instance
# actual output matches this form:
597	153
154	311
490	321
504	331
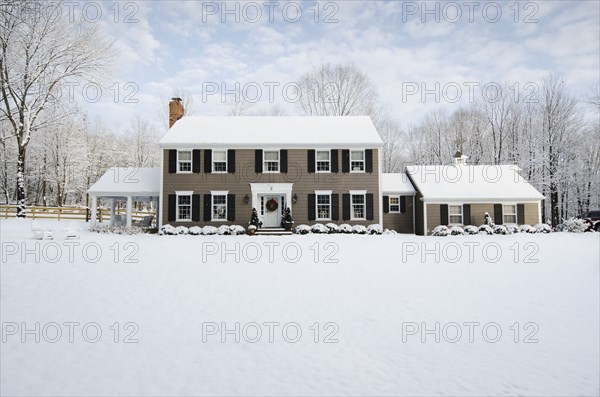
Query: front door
271	211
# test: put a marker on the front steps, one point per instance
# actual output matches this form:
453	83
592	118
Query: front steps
272	231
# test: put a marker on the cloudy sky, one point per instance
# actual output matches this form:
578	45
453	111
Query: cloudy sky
405	48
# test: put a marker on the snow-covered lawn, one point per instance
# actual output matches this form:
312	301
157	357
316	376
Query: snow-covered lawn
370	295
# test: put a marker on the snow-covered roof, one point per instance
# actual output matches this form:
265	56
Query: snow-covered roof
272	132
471	182
128	181
396	183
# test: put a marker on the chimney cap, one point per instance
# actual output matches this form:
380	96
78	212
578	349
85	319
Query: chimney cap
176	99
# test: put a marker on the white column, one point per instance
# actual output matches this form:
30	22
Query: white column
93	210
129	205
112	211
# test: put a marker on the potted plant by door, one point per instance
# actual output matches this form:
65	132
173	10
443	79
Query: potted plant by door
287	223
254	223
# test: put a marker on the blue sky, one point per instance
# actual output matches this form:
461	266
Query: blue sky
186	45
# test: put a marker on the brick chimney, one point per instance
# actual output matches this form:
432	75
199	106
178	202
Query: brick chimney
175	111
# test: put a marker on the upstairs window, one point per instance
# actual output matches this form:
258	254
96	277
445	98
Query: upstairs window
219	161
271	161
357	161
323	158
184	161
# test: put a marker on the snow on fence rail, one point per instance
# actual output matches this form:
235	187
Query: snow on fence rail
68	213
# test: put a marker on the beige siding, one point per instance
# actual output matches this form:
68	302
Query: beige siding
304	184
402	223
433	217
478	211
532	214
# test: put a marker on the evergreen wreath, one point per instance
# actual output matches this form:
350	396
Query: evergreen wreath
272	205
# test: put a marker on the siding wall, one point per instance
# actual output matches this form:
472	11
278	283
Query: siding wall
433	217
402	223
239	185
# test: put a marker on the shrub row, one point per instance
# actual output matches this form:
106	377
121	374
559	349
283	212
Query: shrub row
224	230
332	228
97	228
490	230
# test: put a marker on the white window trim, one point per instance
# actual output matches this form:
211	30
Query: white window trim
212	161
516	214
462	214
278	161
189	193
358	193
322	193
364	161
390	204
214	193
191	161
317	161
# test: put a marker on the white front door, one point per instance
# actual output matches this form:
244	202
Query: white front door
271	218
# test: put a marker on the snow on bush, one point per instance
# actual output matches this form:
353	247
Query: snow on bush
319	228
470	229
526	229
543	228
333	228
374	229
223	230
116	229
209	230
345	228
302	229
574	225
486	229
457	231
181	230
195	231
440	231
512	229
359	229
237	230
388	231
500	229
166	230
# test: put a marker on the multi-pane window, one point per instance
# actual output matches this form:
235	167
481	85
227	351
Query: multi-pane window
184	208
282	205
184	161
219	205
394	204
323	207
358	206
323	160
219	161
509	214
455	214
357	161
271	161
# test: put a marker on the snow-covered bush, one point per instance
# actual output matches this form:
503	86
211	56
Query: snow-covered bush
252	227
573	225
181	230
195	231
237	230
319	228
345	228
526	229
388	232
500	229
543	228
302	229
166	230
470	229
209	230
333	228
359	229
223	230
440	231
129	230
512	229
374	229
486	229
457	231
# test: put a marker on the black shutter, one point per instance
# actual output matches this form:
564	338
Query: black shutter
498	214
172	207
172	161
543	207
283	161
334	161
346	207
345	160
196	161
370	207
196	207
369	160
444	214
231	207
310	159
466	214
386	204
231	161
335	207
402	204
207	207
520	214
207	161
312	210
258	161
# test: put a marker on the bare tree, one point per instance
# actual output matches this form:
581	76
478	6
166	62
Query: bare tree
40	51
142	142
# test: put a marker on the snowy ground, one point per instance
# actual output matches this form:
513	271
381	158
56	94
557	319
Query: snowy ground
374	295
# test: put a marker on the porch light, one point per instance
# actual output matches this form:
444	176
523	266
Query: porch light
246	199
295	198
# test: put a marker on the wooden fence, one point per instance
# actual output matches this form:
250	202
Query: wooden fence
68	213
